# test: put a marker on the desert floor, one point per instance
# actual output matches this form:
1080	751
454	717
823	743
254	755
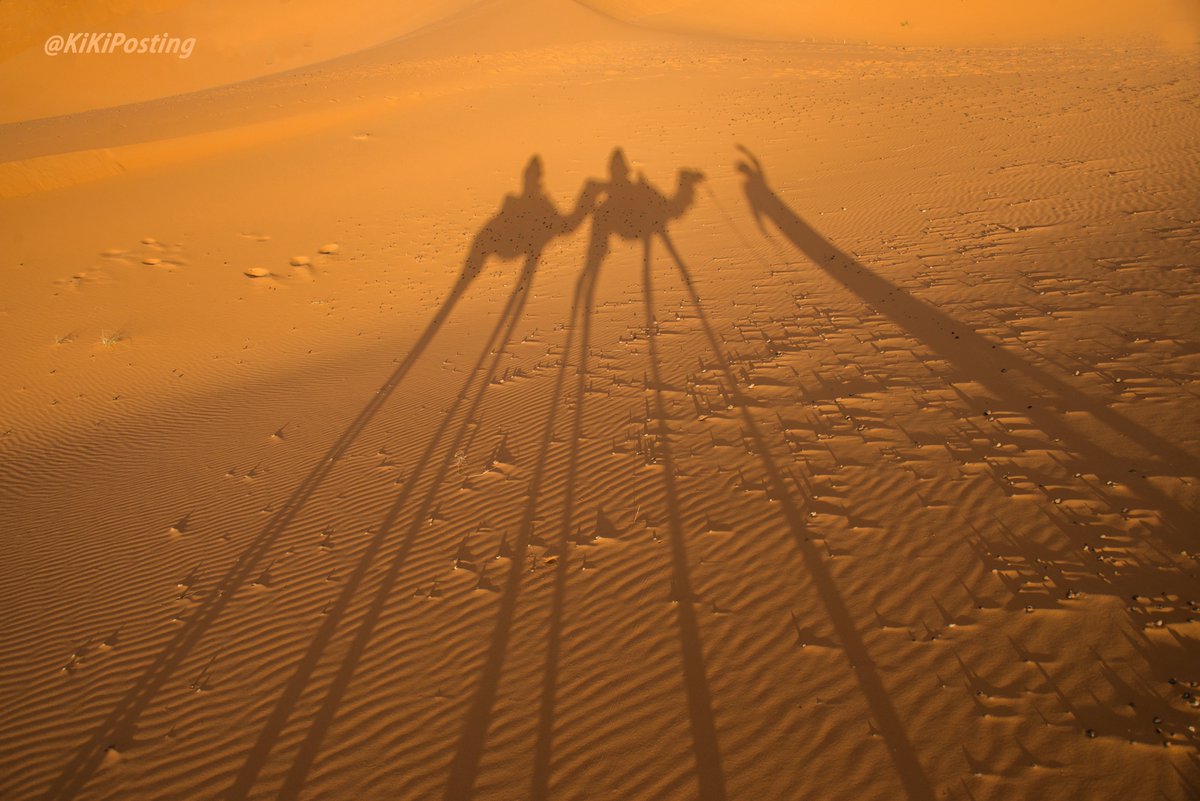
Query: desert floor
844	442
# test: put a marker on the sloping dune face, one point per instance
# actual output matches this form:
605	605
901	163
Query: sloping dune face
508	402
233	41
946	23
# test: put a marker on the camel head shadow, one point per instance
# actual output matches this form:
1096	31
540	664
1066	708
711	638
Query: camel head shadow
636	209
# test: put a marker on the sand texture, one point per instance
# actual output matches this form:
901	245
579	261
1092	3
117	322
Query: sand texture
532	399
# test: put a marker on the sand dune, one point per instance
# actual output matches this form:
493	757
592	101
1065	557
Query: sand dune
233	42
924	23
529	399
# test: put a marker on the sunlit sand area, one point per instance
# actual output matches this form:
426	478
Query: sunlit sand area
545	399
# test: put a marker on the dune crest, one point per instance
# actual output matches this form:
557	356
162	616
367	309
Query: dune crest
925	23
234	41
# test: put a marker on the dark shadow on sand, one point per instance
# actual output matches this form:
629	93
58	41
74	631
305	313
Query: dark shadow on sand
631	210
627	211
989	363
904	757
518	229
523	227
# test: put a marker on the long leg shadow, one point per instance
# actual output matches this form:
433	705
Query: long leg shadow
632	210
704	733
292	691
584	299
912	776
118	727
525	225
464	769
975	356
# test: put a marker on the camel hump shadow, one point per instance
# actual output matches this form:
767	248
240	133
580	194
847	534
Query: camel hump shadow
527	222
636	209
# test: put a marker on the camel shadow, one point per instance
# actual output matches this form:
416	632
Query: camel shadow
522	227
631	209
908	767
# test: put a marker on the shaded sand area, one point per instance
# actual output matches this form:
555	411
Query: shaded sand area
534	400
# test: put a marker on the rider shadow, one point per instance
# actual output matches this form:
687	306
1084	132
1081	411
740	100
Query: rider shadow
645	220
631	209
523	227
995	367
525	224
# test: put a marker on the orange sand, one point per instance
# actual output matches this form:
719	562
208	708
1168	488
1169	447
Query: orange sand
371	429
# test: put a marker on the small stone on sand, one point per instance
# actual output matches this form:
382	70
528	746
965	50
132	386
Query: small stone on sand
300	261
258	272
331	248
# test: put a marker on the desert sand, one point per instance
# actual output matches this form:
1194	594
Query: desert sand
536	399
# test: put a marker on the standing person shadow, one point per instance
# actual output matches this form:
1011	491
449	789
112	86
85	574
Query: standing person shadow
1012	379
525	224
911	774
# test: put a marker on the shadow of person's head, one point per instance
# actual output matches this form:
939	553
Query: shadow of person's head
618	166
750	167
531	179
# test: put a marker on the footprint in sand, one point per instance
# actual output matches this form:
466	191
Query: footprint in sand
152	253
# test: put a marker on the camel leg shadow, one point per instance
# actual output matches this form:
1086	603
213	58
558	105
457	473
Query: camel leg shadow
912	775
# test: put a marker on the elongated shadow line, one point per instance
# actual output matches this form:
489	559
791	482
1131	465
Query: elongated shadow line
704	732
117	728
464	768
912	776
543	748
967	350
292	691
310	748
